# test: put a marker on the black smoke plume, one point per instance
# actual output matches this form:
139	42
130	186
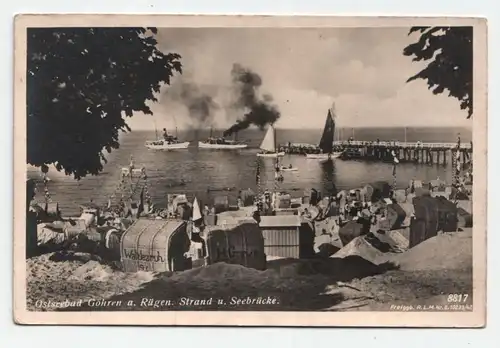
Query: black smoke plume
258	110
195	98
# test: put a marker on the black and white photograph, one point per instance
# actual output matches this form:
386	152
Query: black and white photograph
237	169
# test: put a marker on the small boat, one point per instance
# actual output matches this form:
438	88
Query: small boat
131	170
289	169
214	189
272	155
324	156
176	184
328	152
268	145
126	171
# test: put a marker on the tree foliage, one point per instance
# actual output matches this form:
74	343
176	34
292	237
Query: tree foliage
449	52
82	83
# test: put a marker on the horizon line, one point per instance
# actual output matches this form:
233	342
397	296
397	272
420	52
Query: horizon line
302	128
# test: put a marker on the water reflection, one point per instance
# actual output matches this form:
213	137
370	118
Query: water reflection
328	176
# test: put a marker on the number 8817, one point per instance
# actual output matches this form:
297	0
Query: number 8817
457	298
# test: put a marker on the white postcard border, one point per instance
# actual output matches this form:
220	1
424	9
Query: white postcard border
475	318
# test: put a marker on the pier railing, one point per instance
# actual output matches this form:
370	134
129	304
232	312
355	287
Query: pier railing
403	144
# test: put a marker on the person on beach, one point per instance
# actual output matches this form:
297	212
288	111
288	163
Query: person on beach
306	214
256	216
195	232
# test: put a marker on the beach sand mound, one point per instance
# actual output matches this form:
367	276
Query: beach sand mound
326	250
296	285
92	270
377	247
327	244
413	287
446	251
223	275
428	270
73	277
395	240
359	246
77	256
439	266
219	272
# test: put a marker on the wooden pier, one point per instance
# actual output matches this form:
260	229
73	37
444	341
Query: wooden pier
427	153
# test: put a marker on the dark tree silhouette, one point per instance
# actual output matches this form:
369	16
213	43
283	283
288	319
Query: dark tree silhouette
449	52
82	83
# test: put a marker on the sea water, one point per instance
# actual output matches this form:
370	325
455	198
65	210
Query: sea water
206	172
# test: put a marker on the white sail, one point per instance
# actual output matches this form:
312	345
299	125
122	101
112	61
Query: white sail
268	143
196	210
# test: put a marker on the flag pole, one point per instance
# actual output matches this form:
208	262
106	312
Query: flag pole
259	186
457	167
395	161
276	173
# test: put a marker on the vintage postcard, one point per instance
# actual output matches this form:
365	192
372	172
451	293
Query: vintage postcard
250	170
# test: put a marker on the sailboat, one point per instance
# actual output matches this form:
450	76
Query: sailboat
220	144
169	142
326	141
268	145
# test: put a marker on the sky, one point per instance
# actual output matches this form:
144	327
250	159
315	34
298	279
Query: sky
361	70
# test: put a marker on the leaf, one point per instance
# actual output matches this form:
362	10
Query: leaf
448	51
91	72
414	29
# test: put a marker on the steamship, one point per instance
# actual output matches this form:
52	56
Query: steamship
169	142
220	143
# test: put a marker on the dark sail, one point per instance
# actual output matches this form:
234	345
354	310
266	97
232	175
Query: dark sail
326	142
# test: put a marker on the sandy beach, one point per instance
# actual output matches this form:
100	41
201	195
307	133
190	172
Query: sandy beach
424	274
